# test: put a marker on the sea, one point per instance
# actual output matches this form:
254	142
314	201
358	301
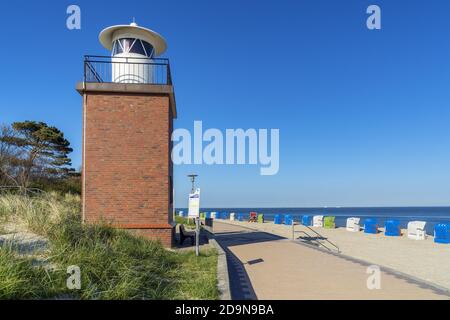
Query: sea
432	215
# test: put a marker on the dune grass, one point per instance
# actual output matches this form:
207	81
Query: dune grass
19	279
114	264
186	221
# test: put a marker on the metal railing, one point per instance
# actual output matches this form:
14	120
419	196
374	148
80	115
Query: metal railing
21	190
127	70
318	239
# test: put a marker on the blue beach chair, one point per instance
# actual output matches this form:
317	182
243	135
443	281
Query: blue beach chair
371	226
442	233
306	220
392	228
277	219
288	219
240	217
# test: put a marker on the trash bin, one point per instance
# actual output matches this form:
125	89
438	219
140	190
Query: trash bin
232	216
370	226
328	223
306	220
209	222
442	233
392	228
277	219
288	219
260	218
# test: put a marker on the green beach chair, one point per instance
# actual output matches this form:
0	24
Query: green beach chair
260	218
202	215
328	223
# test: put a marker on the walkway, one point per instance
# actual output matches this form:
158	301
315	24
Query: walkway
266	266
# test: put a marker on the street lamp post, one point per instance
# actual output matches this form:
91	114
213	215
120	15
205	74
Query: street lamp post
192	177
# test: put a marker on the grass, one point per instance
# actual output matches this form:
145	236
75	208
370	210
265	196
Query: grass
20	280
114	264
186	221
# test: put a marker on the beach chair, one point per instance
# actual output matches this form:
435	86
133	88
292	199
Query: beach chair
253	217
180	213
416	230
442	233
202	215
318	221
328	223
240	217
186	234
207	215
260	218
277	219
371	226
288	220
392	228
232	216
224	215
306	220
213	215
353	224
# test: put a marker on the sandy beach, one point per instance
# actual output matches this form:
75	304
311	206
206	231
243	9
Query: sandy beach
422	259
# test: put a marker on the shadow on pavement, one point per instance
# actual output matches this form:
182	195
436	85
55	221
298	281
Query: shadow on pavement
240	284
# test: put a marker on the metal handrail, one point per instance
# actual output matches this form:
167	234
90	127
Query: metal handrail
20	188
88	57
89	65
95	70
322	238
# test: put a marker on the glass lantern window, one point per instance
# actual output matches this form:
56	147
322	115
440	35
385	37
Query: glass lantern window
148	49
137	48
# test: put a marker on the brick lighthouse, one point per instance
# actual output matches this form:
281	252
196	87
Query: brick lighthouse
128	112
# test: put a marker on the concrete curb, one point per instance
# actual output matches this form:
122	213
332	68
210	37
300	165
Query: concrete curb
223	280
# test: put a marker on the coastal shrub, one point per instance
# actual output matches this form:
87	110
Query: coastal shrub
185	221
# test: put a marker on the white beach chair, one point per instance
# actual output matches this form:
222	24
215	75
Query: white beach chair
318	221
180	213
353	224
232	216
416	230
213	215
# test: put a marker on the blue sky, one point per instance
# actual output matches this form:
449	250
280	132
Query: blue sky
363	115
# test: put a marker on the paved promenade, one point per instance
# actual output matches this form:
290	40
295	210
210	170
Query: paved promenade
266	266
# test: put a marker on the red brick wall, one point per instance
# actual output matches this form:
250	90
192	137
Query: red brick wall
127	162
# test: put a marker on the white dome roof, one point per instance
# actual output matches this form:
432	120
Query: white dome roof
108	35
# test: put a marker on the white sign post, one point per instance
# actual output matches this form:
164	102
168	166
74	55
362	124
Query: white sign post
194	212
194	204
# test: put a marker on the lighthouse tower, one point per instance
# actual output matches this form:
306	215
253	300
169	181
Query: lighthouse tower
132	49
128	112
